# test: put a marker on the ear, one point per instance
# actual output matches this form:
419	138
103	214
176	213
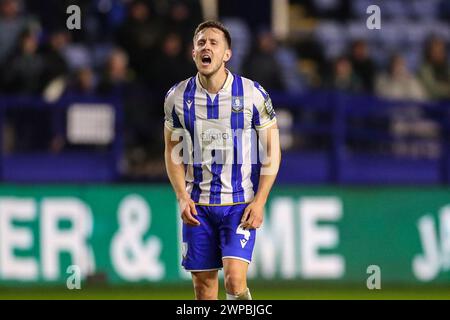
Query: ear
227	55
193	54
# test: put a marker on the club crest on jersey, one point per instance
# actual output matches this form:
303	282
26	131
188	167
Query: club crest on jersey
237	104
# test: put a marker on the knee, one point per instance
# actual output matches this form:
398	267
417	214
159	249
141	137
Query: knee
235	283
205	289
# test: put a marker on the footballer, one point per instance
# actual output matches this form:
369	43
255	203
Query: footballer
230	158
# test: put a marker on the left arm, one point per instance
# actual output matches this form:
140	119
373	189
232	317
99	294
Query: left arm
253	214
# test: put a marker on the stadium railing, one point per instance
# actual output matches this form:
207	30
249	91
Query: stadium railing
360	139
73	139
335	138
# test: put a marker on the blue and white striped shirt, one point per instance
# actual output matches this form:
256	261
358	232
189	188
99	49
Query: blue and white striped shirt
220	148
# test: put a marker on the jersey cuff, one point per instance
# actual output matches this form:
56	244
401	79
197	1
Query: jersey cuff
267	124
171	128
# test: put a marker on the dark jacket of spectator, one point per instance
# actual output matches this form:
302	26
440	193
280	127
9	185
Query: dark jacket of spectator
261	64
362	65
343	77
435	72
25	69
139	36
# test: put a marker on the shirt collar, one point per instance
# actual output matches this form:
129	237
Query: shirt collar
226	86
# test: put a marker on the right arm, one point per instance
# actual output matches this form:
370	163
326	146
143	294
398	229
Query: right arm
176	172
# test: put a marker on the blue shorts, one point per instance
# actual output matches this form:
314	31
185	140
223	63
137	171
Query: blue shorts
218	236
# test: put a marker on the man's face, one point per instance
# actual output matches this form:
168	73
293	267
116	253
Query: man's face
210	51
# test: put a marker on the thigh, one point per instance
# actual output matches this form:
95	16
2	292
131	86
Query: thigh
236	242
201	250
206	285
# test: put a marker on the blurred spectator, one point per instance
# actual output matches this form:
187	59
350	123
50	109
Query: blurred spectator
409	121
83	82
170	65
139	36
156	37
261	65
11	25
108	15
184	16
25	69
434	72
116	75
398	82
343	76
363	66
55	65
141	130
314	66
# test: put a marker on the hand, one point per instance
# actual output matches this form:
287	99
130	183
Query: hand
187	209
253	216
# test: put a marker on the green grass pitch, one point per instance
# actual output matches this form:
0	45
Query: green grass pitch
259	292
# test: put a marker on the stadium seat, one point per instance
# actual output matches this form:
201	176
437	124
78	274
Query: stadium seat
287	60
242	41
425	10
333	37
77	56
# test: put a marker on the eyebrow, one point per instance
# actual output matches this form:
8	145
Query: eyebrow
215	37
210	39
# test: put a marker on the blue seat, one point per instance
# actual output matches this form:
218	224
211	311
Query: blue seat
424	10
242	41
359	7
333	37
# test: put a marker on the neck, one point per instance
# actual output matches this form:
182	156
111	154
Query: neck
214	82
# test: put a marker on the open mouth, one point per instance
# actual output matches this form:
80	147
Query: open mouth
206	59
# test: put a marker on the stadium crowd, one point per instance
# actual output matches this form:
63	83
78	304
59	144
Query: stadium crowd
137	49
